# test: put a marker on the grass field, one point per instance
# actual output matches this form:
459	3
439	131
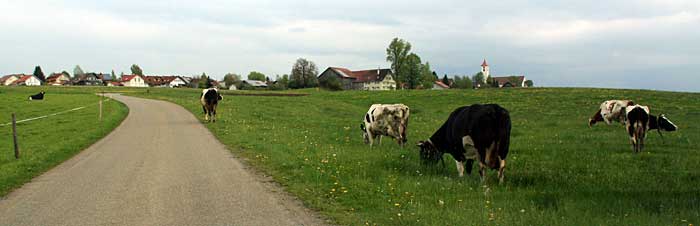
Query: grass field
560	172
46	142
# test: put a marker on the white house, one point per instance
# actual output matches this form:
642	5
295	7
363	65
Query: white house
27	80
58	79
134	81
165	81
9	79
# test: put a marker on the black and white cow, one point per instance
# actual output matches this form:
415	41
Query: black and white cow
639	121
210	99
38	96
385	120
610	111
472	132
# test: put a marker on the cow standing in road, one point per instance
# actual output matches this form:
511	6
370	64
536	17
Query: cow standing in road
472	132
210	99
385	120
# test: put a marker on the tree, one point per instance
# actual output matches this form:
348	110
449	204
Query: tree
445	80
529	83
413	71
65	73
427	77
330	83
114	77
204	81
515	81
232	79
39	74
397	53
254	75
284	81
77	71
136	70
303	74
478	79
462	82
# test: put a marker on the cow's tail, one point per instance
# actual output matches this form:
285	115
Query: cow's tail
503	139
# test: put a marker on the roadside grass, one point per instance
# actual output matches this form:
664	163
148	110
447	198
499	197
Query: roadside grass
560	172
47	142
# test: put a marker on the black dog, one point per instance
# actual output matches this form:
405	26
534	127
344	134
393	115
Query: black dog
38	96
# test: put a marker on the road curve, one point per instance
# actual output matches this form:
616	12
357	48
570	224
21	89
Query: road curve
159	167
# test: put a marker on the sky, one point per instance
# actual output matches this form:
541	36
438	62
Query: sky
638	44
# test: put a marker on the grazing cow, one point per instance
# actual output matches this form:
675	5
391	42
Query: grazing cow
210	98
38	96
385	120
611	110
639	121
637	125
472	132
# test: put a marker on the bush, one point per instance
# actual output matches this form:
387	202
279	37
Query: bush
330	83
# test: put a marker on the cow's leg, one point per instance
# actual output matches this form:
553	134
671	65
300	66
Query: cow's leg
501	170
460	168
206	113
379	139
469	165
370	136
482	171
213	113
470	152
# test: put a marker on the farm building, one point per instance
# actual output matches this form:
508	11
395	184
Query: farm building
9	79
375	79
165	81
134	81
58	79
114	83
438	85
255	83
510	81
27	80
87	79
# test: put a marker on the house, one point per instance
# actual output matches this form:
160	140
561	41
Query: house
438	85
87	79
134	81
114	83
27	80
9	79
375	79
58	79
255	83
165	81
105	77
509	81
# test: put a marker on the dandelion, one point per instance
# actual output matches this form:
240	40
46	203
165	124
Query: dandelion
397	204
398	214
441	202
522	210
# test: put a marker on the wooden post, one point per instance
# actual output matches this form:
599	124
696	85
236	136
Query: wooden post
14	135
101	106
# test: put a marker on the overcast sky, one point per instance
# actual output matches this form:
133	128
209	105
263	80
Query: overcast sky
648	44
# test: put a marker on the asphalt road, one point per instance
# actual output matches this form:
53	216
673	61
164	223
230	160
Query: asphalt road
160	167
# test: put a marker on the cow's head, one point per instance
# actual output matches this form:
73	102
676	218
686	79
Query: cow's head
664	124
429	154
365	136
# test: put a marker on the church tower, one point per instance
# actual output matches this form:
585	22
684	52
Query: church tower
485	70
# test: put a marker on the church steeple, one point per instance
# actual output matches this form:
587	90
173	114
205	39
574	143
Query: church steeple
485	70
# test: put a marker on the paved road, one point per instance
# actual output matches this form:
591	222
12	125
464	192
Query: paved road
160	167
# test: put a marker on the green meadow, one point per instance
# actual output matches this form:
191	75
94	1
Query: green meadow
45	143
560	171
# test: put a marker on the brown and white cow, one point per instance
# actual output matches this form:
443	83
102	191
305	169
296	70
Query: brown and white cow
610	111
210	99
385	120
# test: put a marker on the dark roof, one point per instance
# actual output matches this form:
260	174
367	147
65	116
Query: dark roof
372	75
506	79
159	80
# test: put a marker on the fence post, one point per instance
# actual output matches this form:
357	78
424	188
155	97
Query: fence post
14	135
100	119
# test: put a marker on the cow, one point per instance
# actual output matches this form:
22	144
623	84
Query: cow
385	120
639	121
472	132
38	96
610	111
210	99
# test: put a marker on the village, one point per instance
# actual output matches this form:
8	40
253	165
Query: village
346	79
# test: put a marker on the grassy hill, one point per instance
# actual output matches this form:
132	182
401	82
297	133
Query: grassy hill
46	142
560	172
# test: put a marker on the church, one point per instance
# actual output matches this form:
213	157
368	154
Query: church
502	81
